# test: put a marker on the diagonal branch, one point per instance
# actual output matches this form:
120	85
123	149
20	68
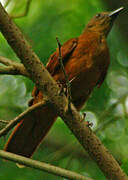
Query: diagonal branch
4	121
7	3
48	86
42	166
20	117
12	67
6	61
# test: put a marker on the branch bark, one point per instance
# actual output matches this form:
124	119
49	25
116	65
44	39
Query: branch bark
71	117
12	67
12	123
42	166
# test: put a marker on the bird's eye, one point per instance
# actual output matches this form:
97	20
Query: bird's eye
98	15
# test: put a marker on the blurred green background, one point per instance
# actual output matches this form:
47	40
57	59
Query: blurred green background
107	108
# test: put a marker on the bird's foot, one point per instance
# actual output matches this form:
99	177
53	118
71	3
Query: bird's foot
87	123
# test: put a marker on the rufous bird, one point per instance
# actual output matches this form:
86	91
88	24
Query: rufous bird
86	60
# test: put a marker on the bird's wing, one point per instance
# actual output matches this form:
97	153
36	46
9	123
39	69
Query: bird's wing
66	50
102	78
106	61
53	63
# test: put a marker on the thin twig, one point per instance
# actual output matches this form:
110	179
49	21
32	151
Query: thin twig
110	109
68	84
6	61
7	3
13	122
55	156
105	124
42	166
3	121
25	13
12	68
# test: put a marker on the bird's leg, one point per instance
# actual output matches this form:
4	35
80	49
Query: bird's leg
87	123
30	102
83	116
62	87
68	84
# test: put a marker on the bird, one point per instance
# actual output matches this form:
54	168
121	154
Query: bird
86	59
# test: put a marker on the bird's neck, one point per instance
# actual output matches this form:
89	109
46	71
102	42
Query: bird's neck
93	33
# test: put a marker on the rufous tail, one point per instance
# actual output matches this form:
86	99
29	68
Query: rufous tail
29	133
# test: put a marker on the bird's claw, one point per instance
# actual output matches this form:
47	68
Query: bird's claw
89	124
83	116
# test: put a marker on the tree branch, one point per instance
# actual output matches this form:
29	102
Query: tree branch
6	4
48	86
3	121
20	117
42	166
12	67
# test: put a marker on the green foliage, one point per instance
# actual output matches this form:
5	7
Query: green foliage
125	166
66	19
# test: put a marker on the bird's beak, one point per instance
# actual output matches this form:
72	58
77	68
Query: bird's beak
114	14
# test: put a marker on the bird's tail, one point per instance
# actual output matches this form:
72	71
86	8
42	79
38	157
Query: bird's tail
29	133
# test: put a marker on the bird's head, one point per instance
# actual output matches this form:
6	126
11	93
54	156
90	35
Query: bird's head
102	22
